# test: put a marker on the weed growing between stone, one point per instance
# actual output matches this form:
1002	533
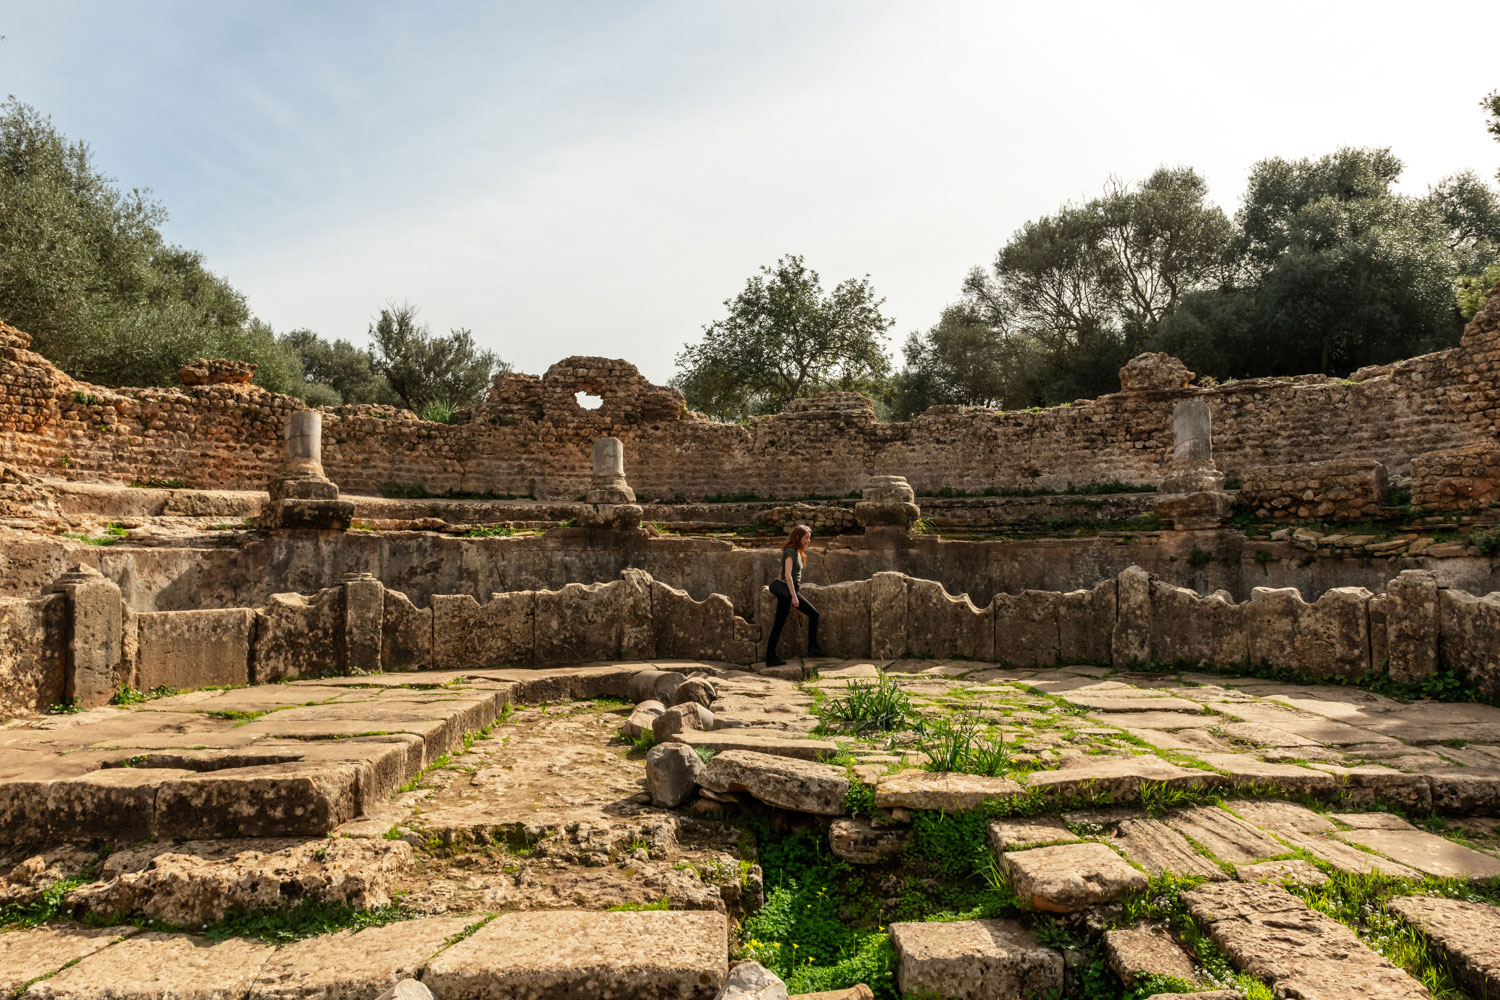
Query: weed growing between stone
130	696
306	919
962	745
881	707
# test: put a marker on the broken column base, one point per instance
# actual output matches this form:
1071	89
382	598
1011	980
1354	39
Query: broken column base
1193	511
306	501
612	517
611	494
1206	479
875	515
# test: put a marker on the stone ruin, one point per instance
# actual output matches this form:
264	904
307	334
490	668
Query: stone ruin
1203	647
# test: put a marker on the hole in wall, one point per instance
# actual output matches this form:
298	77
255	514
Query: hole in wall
588	401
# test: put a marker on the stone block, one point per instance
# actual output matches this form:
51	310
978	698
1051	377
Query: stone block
1131	642
797	785
35	952
1147	950
774	743
974	960
1469	638
914	788
1086	624
160	966
33	644
1071	877
1411	625
1466	933
114	804
856	841
673	721
1193	630
193	649
95	624
672	773
1330	637
273	800
1026	628
298	636
943	626
644	955
887	592
498	634
843	617
364	620
405	633
706	629
582	623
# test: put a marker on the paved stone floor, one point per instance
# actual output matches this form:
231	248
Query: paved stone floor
445	798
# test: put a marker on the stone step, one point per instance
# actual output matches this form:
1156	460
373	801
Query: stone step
648	954
1226	835
153	965
1271	934
772	742
1426	852
784	782
1159	849
1147	950
1468	935
354	965
941	790
974	960
1070	877
30	954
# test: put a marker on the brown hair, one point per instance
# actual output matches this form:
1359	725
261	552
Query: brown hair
798	538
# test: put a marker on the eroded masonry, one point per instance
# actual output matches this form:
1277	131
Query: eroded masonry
1183	690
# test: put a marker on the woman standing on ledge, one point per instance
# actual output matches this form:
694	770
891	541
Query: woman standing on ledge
785	588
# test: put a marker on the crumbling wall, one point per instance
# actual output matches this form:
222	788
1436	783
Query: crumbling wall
531	437
1344	489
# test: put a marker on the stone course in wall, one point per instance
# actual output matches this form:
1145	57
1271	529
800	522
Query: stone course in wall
531	437
1344	489
1409	633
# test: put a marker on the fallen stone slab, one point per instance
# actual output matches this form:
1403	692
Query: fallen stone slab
155	966
1345	858
1271	934
776	743
1468	935
1226	835
1277	817
1008	834
752	981
974	960
647	954
40	951
946	791
784	782
1166	721
1071	877
1160	850
1147	950
1116	778
407	989
1372	821
1295	871
1426	852
1131	701
855	840
354	965
1247	769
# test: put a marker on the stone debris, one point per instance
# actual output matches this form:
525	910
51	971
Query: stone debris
648	954
1271	934
784	782
672	771
641	719
407	989
775	743
1070	877
1147	950
678	718
974	960
855	840
1467	934
752	981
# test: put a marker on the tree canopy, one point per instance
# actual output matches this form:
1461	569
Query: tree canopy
783	338
427	371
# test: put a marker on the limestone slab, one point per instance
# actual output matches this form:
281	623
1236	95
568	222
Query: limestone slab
1247	769
974	960
784	782
1294	870
643	955
1266	931
857	841
1467	933
1071	877
156	966
1008	834
1131	700
1117	777
941	790
1277	816
777	744
1147	950
40	951
1226	835
354	965
1160	849
1427	852
1345	858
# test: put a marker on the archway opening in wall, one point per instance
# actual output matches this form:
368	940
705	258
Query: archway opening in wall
588	401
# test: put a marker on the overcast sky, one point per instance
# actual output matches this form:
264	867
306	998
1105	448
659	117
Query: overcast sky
596	178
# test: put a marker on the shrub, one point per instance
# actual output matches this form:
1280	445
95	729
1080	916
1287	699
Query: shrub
865	707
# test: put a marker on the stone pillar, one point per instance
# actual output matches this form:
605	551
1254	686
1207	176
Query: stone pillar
95	625
364	617
609	485
302	496
887	506
887	615
1131	642
1192	450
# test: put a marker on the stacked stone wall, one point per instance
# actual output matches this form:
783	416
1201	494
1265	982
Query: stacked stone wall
1338	490
1409	633
531	438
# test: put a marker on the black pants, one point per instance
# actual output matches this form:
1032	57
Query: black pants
783	607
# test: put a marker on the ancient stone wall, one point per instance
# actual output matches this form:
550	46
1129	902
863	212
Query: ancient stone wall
1408	633
532	438
1339	490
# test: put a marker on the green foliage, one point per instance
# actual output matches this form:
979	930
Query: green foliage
336	372
964	745
661	904
784	338
438	411
130	696
490	531
1198	558
114	532
49	905
880	706
68	706
422	368
1472	290
158	484
307	919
